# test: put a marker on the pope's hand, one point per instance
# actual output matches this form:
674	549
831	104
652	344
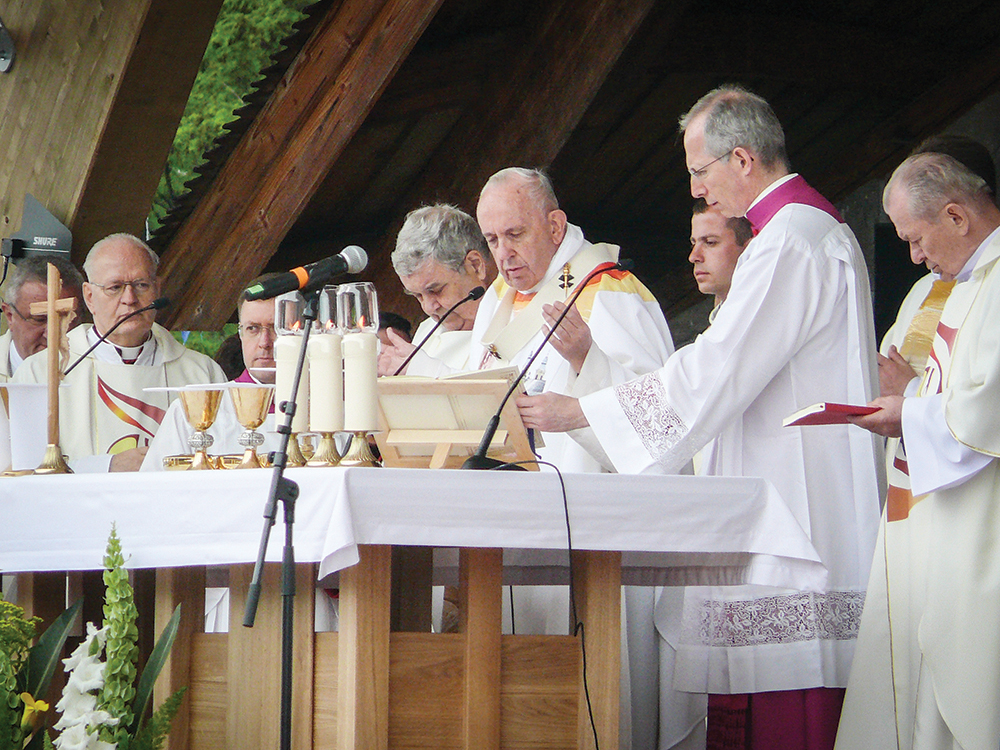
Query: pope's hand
572	338
551	412
129	460
394	354
894	373
887	421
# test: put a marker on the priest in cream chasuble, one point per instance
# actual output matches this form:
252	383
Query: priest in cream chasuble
106	417
926	676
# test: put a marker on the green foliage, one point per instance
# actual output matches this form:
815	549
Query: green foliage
121	649
16	633
206	342
151	736
157	658
247	34
45	654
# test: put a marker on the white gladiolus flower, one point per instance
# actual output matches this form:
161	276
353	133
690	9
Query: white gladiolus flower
81	721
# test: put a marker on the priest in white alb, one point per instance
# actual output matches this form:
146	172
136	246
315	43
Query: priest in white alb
440	257
927	673
795	329
107	418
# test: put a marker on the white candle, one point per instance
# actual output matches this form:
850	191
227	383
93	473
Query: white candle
286	356
360	389
326	380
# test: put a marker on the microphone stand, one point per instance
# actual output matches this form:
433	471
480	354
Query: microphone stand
479	460
287	492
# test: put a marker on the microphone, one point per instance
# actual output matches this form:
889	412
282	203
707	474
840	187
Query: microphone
476	293
157	304
352	259
479	460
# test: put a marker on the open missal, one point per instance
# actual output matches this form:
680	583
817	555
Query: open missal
827	413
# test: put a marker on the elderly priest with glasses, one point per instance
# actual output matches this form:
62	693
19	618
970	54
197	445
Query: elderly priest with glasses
107	418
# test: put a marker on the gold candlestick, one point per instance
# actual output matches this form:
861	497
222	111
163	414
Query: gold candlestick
359	453
326	453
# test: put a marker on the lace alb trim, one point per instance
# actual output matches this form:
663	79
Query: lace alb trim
645	404
787	618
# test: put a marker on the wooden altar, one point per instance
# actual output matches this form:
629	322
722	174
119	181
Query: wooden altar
368	685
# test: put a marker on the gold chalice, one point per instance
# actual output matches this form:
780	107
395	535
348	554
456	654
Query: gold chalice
251	402
201	406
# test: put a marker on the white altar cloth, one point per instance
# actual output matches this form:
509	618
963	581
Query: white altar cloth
711	529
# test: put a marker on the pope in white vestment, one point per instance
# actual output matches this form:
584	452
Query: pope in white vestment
795	329
630	334
105	409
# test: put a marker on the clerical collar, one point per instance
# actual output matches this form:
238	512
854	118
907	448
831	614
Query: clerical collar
570	246
789	189
964	275
144	354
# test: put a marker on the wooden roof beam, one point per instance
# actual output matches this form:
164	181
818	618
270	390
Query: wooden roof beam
286	154
536	96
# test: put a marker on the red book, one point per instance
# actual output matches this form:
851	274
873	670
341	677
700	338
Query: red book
827	413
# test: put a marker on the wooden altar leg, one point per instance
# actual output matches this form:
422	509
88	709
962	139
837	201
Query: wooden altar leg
363	654
480	572
186	587
597	577
254	669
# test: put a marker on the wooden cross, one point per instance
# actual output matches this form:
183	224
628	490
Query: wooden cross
59	313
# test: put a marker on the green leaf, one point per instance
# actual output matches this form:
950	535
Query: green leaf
45	654
157	658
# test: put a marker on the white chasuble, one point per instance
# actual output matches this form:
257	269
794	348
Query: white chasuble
630	334
104	409
930	638
795	329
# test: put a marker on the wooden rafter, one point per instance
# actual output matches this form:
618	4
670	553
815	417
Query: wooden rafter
535	98
286	154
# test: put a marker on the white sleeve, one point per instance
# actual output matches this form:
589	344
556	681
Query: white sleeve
96	464
935	459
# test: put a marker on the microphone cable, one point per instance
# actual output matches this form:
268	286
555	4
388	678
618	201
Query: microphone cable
578	627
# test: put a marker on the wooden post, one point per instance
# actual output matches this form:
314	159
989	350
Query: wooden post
186	587
598	578
363	658
481	587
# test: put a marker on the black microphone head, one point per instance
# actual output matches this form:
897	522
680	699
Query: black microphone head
159	303
624	264
477	293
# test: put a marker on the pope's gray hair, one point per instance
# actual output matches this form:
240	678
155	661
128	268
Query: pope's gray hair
538	183
440	232
931	181
739	118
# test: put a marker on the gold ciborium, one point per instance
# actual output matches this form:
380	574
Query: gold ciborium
201	406
251	402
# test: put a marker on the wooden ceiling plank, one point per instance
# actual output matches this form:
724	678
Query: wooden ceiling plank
140	127
258	197
526	114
